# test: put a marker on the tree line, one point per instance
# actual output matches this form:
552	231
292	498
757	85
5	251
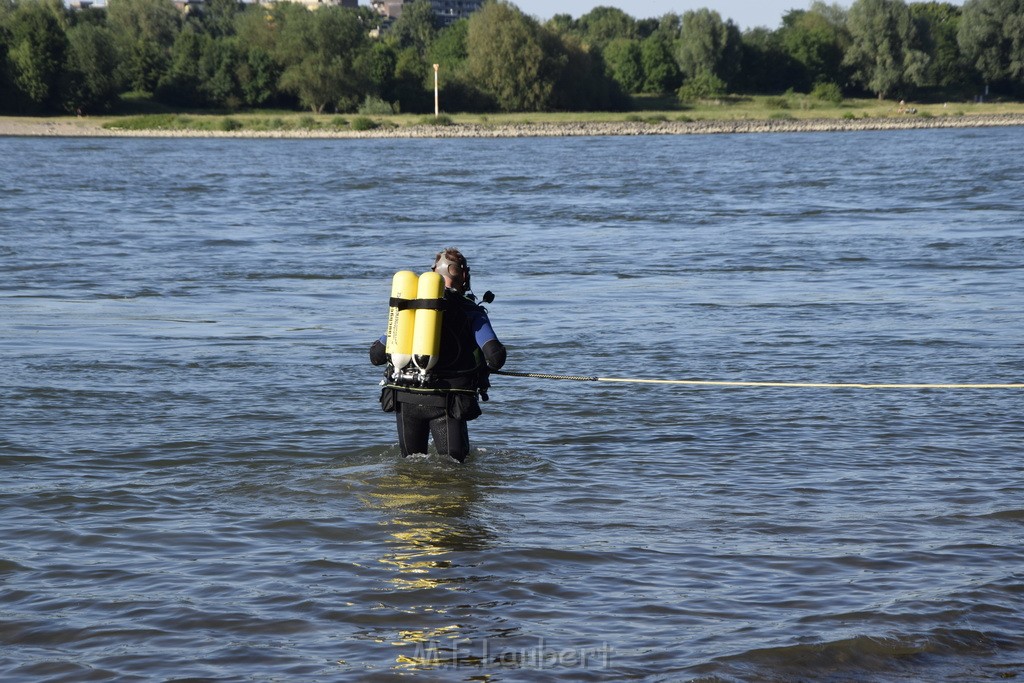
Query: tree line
233	55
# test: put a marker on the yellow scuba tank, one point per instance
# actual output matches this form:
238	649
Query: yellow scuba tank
400	320
426	341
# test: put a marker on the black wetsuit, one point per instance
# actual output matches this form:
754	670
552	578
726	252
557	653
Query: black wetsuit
469	348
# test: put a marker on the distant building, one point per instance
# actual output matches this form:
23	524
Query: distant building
389	9
450	11
446	11
311	4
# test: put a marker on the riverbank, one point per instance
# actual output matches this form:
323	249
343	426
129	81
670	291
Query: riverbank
85	127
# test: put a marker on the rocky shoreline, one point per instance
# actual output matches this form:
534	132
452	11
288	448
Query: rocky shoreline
88	128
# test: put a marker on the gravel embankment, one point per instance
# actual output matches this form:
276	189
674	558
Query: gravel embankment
87	128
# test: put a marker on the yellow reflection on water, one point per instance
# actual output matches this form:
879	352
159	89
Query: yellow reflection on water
429	516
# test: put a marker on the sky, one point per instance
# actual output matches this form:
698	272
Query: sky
746	14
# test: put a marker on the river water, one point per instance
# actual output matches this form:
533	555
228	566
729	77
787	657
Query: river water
199	483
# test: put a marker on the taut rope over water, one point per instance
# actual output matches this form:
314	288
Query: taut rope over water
710	383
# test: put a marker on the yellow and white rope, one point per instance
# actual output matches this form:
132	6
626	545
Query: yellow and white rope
801	385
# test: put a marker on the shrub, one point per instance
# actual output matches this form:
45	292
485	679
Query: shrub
266	124
796	100
703	86
375	106
228	124
149	122
442	120
363	123
827	92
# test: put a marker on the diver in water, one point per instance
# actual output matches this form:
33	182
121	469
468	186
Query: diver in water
442	406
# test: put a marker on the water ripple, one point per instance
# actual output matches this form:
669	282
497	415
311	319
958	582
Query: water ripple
199	484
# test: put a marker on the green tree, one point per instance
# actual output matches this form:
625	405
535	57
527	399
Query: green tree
257	74
766	66
88	15
6	88
582	82
507	58
882	51
204	72
817	43
260	26
218	69
257	29
602	25
319	51
563	25
378	64
181	84
218	17
91	66
319	81
144	33
410	76
709	45
661	72
991	35
937	26
416	27
671	25
704	85
36	55
647	27
624	60
450	50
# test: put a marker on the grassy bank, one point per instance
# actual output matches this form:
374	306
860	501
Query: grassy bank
140	116
649	110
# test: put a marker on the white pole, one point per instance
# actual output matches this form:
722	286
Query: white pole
437	108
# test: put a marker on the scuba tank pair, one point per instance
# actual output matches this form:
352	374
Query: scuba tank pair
414	326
